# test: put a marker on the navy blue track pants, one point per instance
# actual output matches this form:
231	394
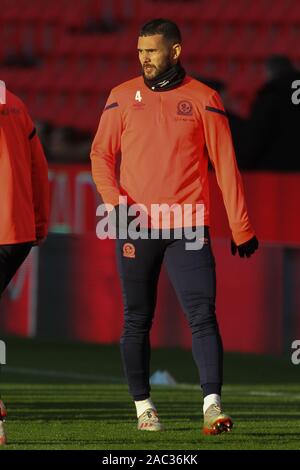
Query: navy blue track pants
192	273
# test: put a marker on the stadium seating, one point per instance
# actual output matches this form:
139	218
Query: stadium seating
82	48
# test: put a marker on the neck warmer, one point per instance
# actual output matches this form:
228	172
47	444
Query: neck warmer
167	80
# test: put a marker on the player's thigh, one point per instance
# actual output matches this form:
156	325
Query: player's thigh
192	273
139	259
139	263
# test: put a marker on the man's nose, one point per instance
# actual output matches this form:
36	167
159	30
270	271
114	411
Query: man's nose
145	55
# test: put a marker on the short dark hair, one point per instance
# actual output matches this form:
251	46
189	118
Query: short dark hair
167	28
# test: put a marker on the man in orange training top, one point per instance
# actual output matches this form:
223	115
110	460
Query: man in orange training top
24	193
168	125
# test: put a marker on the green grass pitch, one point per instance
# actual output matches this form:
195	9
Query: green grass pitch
73	396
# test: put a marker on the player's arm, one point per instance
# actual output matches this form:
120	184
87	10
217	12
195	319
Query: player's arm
105	146
40	188
222	155
39	181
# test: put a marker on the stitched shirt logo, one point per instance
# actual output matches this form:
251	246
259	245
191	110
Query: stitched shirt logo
129	250
185	108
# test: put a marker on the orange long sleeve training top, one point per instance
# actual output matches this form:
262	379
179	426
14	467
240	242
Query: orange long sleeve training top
166	139
24	187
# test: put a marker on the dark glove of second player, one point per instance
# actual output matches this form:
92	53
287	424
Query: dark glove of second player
245	249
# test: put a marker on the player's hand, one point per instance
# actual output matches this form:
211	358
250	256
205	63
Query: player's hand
122	217
245	249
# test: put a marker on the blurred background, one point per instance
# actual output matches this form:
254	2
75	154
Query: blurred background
62	58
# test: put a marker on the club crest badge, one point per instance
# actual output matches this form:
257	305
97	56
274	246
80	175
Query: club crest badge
185	108
129	250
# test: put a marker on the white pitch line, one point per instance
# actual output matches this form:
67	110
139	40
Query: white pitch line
118	380
287	395
265	394
59	374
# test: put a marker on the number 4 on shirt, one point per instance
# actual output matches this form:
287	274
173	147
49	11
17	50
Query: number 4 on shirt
138	96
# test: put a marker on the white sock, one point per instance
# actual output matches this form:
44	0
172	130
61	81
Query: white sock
212	399
143	405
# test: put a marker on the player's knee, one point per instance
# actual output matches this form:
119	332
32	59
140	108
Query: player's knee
203	320
137	323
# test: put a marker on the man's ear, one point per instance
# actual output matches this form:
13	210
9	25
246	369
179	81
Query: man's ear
176	51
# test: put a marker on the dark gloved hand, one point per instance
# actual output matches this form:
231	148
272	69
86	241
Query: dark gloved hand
245	249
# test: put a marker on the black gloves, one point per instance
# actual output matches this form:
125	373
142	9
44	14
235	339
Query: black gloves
246	249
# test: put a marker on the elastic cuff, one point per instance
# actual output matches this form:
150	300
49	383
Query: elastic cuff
209	388
242	237
145	396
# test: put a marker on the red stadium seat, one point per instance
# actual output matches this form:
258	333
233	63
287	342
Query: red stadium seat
292	15
278	12
256	12
248	39
211	12
225	39
232	12
190	12
9	13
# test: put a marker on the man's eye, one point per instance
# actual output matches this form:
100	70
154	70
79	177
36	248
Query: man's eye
151	51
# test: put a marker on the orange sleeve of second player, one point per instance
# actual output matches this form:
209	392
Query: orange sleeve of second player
40	187
222	155
105	146
39	179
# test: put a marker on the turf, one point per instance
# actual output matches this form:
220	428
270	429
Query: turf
73	396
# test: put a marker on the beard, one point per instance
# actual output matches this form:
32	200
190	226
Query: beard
154	71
